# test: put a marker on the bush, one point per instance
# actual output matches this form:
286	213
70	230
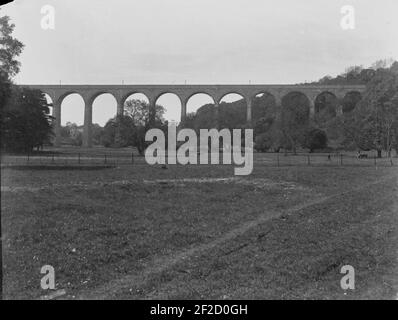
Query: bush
315	139
262	142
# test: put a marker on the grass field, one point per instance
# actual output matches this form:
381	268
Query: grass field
135	232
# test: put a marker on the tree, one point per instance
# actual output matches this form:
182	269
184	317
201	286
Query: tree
10	48
190	120
262	125
262	142
109	133
357	74
24	113
26	121
232	115
263	106
138	121
204	118
5	90
138	111
295	119
96	132
130	129
269	135
315	139
382	64
122	125
72	134
373	124
325	108
350	101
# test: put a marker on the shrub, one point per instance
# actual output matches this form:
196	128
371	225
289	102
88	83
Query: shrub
262	142
315	139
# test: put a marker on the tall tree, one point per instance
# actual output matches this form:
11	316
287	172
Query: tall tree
24	114
130	129
10	48
26	121
295	119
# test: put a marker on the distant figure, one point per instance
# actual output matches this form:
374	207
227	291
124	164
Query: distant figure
329	159
360	155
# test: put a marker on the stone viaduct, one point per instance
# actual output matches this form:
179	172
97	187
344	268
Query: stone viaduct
121	92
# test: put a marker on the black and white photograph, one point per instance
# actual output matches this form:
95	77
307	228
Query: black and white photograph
199	155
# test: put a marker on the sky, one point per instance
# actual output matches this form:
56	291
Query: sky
195	42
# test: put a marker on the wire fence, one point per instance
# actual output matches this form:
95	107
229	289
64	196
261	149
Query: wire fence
132	159
73	159
280	160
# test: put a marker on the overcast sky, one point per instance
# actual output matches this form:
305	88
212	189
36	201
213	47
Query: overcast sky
198	41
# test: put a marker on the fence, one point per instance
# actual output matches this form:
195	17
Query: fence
280	160
260	159
73	159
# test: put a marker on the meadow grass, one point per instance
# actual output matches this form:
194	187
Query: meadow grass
135	232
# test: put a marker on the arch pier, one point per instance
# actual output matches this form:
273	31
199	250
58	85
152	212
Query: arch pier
184	92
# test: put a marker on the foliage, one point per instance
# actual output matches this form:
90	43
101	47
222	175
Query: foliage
315	139
350	101
262	142
262	125
325	108
356	74
71	134
295	119
119	132
10	48
130	129
26	122
373	124
204	118
24	113
5	89
138	111
96	133
269	135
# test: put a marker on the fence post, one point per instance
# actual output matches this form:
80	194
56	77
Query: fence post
341	159
375	161
28	157
52	158
78	157
277	157
105	158
132	157
308	160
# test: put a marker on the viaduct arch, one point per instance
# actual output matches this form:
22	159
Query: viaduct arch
121	92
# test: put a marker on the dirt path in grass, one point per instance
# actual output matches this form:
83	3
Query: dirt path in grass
160	264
